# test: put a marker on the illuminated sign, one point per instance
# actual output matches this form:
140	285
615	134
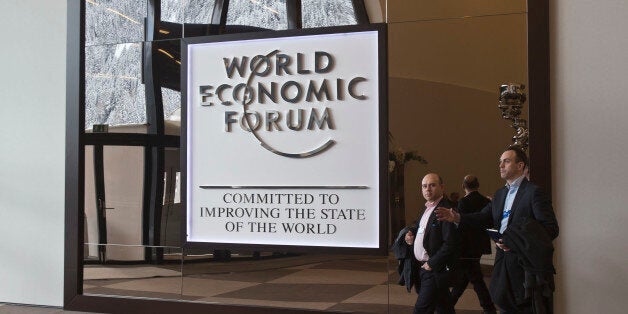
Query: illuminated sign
283	139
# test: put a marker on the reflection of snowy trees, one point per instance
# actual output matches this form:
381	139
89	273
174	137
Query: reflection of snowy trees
172	10
114	93
187	11
198	11
114	21
269	14
322	13
172	101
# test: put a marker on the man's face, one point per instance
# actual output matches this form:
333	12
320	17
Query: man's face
431	188
509	168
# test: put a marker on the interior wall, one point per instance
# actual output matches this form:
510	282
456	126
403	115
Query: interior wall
32	158
589	109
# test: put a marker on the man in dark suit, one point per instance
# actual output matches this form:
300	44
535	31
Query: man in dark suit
435	246
517	201
473	243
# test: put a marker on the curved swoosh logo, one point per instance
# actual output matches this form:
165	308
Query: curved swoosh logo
313	152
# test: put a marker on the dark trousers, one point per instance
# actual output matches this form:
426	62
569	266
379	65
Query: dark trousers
520	309
469	270
433	294
544	305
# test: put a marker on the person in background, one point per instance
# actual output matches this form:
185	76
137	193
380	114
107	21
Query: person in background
473	243
454	197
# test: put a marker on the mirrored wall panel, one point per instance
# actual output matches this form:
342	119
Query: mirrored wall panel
116	77
444	78
400	11
114	186
290	280
145	280
446	61
263	14
197	11
114	21
114	89
444	89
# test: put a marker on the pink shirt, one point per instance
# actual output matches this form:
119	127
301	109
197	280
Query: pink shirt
419	250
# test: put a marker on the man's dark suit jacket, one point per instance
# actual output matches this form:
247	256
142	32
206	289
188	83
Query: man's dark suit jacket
473	239
508	276
441	242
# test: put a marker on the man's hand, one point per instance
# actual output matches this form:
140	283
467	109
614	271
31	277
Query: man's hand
502	246
426	266
447	214
409	238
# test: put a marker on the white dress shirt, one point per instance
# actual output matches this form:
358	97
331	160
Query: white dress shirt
419	251
510	198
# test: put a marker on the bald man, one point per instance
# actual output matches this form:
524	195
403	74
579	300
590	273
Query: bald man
435	246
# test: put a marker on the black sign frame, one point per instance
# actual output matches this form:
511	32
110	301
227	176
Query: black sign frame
383	231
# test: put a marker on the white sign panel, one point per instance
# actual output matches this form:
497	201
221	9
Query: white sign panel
283	141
